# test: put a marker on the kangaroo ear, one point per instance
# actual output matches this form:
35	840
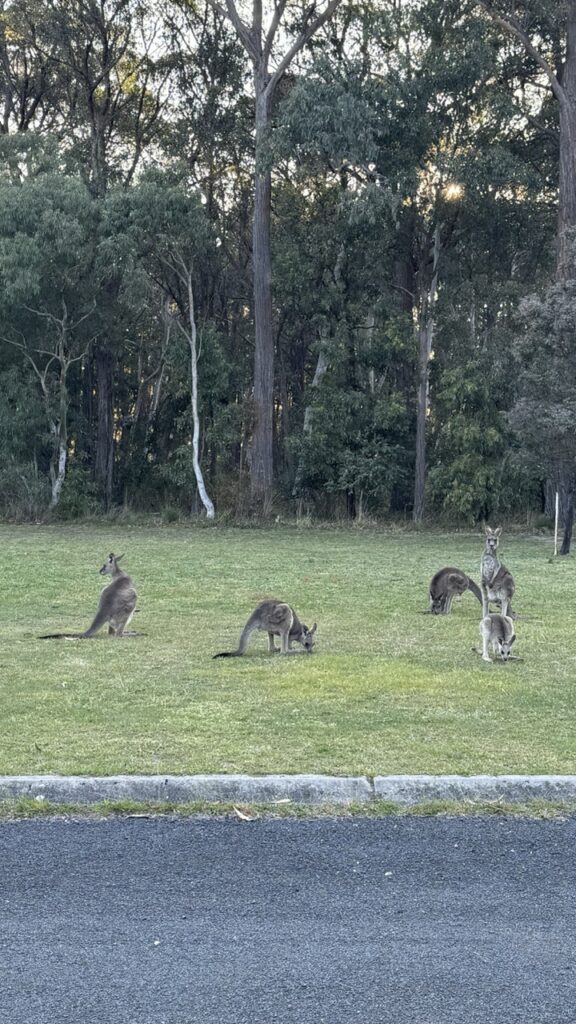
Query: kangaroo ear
118	557
313	630
497	531
512	639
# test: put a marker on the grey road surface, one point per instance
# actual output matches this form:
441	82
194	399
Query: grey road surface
400	920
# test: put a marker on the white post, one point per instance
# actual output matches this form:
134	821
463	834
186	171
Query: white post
556	526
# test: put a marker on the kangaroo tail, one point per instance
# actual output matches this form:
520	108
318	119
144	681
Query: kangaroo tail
99	619
475	589
250	626
59	636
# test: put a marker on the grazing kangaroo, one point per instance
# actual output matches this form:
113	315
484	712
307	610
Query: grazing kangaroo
496	580
276	619
116	605
497	630
447	584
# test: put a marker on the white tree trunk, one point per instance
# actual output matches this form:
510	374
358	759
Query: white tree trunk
319	373
58	476
208	505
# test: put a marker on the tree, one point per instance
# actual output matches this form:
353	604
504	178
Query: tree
532	24
260	42
107	87
547	19
46	265
164	230
545	411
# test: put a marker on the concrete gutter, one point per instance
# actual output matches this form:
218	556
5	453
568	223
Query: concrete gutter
309	789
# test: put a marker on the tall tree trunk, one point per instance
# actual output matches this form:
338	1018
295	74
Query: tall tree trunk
566	262
105	430
425	332
563	86
566	494
206	501
60	431
259	42
319	373
425	338
566	266
261	468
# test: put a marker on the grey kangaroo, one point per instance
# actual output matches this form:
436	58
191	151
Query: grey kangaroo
497	630
447	584
496	580
276	619
116	605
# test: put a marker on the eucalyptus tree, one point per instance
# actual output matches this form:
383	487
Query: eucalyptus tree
159	230
545	32
26	74
392	111
107	83
47	250
297	23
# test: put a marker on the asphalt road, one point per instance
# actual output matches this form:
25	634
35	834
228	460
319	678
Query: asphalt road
407	921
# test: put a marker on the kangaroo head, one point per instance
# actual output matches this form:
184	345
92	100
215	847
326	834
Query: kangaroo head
436	605
307	637
492	538
505	647
110	566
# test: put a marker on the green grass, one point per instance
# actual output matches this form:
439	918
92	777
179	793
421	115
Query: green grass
35	807
388	690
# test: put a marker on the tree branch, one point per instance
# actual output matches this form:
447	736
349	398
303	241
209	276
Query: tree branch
279	8
244	34
310	28
513	28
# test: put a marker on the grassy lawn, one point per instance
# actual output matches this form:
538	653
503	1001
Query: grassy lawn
388	690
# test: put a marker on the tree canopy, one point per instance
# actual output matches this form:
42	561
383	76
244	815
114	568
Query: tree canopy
322	256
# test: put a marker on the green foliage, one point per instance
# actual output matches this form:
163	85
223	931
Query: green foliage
23	447
402	123
79	498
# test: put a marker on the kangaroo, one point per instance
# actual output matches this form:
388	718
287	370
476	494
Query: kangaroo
495	579
447	584
499	631
276	619
116	605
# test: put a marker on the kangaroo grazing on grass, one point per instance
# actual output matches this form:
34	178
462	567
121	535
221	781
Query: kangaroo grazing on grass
116	605
497	581
497	630
447	584
276	619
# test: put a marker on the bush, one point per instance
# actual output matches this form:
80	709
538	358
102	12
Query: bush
24	495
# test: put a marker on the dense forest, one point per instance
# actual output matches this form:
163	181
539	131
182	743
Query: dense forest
273	256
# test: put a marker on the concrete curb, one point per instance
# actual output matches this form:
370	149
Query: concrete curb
309	789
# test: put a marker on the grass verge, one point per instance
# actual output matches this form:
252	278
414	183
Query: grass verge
388	690
26	807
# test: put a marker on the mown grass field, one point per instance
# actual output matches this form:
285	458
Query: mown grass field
388	689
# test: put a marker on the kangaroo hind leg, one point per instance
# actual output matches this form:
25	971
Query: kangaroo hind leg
118	623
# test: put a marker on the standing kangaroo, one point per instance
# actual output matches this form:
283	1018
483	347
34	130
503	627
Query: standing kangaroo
497	630
116	605
447	584
276	619
496	580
